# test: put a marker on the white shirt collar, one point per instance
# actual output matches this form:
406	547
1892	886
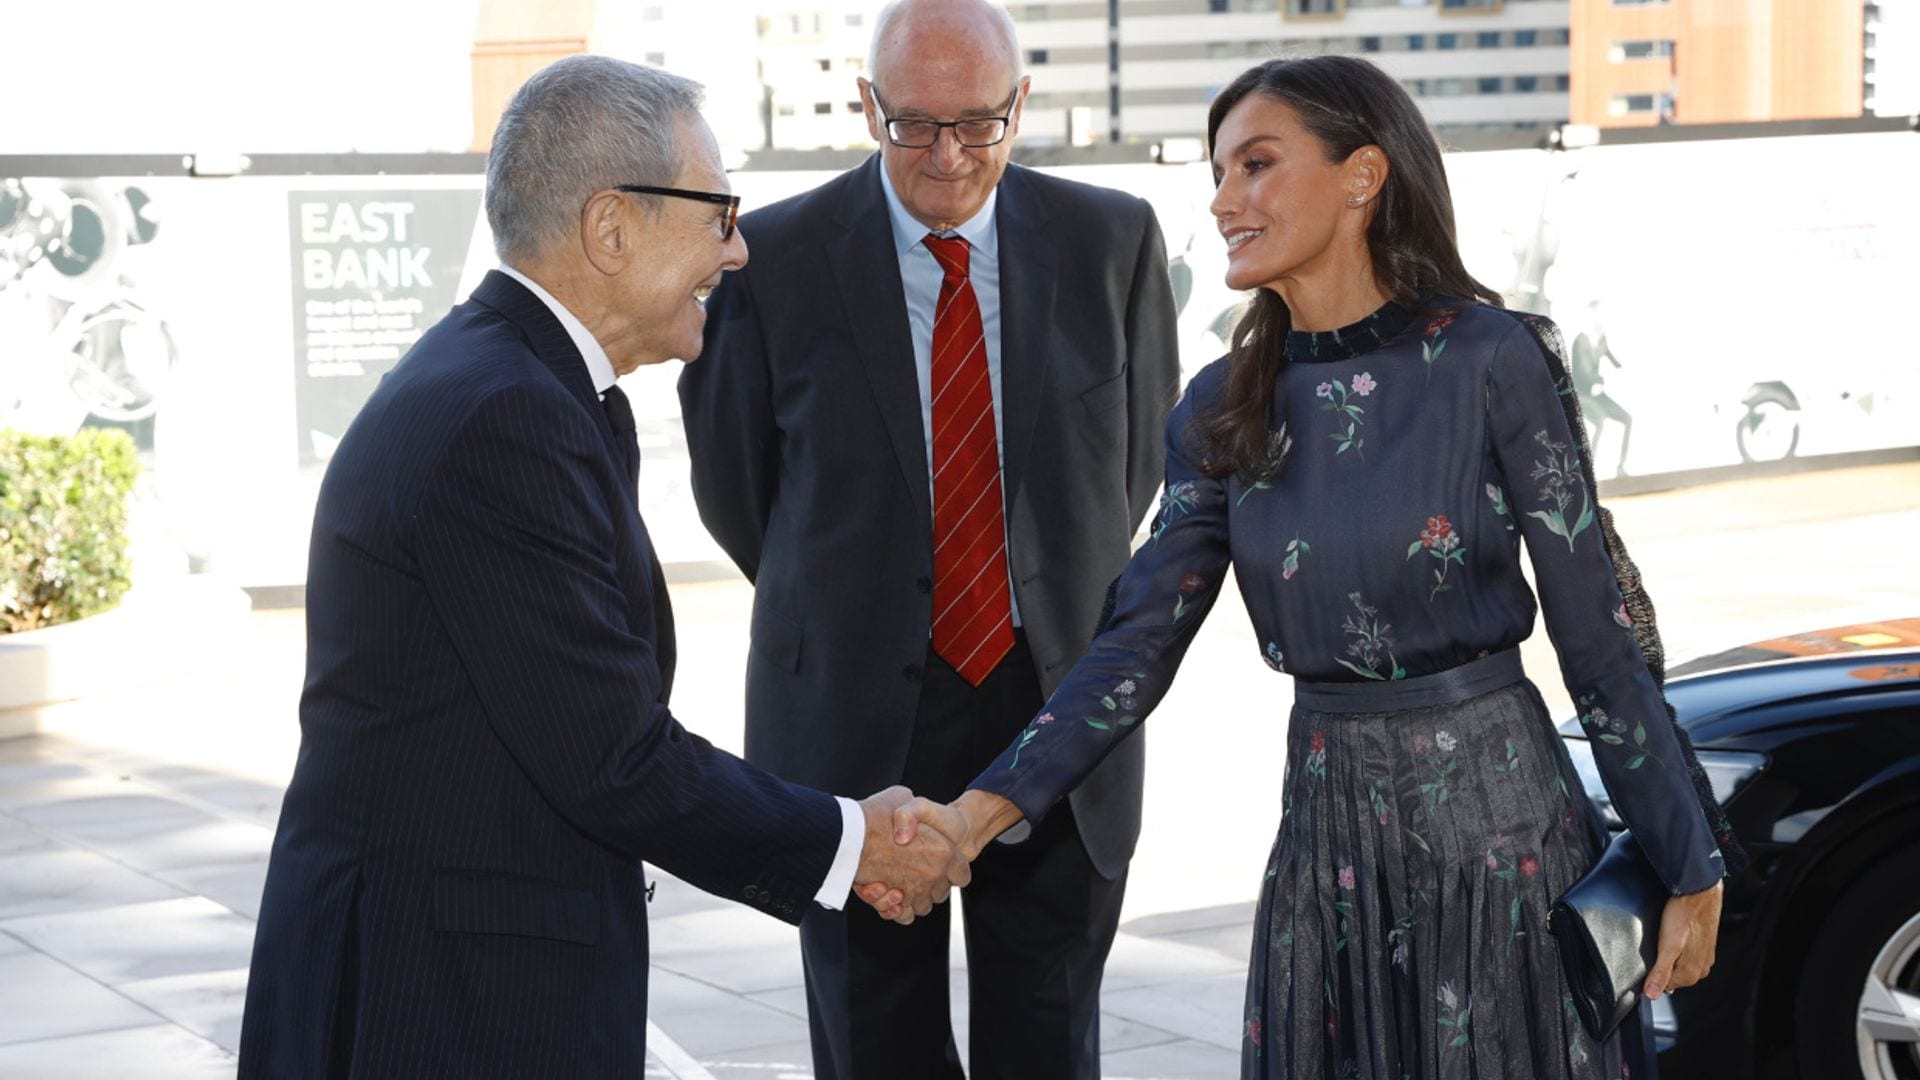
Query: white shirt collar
599	367
977	231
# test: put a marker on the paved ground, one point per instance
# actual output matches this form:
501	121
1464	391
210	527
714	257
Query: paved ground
133	837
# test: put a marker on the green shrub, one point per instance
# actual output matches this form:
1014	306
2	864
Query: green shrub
63	525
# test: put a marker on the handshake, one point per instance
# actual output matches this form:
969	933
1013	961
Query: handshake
906	868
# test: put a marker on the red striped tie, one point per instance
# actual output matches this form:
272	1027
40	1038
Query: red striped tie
972	613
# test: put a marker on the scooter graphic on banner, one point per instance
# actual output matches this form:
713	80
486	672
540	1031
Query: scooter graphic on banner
82	343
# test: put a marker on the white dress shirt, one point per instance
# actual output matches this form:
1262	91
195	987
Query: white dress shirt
853	824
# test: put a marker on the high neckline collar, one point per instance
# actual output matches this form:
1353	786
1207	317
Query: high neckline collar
1322	346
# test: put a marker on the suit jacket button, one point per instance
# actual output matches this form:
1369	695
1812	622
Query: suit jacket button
753	892
912	672
925	585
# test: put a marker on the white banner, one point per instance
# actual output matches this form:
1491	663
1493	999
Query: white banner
1725	301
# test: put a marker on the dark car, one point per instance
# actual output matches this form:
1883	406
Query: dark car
1813	745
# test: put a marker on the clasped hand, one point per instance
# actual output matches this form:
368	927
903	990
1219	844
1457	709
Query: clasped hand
906	869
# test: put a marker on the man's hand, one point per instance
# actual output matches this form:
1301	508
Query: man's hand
1689	932
968	823
904	878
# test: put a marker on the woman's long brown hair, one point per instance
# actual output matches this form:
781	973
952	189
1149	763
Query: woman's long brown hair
1346	103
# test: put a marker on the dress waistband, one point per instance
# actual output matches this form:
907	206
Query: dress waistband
1469	680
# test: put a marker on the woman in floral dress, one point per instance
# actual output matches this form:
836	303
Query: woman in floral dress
1369	459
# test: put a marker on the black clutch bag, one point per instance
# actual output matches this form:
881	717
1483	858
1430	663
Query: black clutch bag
1608	927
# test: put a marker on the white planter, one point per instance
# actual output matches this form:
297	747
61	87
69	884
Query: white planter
154	633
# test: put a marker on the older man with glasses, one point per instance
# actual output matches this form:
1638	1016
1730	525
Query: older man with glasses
486	749
926	424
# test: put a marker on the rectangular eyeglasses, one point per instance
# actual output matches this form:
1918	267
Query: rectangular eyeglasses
731	202
973	132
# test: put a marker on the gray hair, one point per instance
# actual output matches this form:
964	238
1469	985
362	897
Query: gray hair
895	9
581	124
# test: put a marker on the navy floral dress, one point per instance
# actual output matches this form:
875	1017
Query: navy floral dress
1401	928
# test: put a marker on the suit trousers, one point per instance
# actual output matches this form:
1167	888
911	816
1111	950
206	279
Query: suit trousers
1039	922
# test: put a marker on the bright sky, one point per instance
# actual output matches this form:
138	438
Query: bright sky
281	76
265	76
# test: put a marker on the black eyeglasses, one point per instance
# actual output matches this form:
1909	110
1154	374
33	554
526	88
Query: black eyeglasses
731	202
973	133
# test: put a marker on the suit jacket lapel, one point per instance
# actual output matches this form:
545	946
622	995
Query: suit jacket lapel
548	339
554	348
1028	277
867	280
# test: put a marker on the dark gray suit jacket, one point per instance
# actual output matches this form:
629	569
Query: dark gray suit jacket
810	469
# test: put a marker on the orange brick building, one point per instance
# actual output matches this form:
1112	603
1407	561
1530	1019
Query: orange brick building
1642	62
512	41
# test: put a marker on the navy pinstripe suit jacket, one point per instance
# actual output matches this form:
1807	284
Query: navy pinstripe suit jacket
486	751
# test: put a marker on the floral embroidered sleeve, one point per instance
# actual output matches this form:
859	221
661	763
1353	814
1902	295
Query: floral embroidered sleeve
1620	706
1159	601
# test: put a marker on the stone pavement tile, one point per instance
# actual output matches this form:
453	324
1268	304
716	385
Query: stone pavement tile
41	998
24	751
25	770
791	1000
1138	961
207	1003
257	801
1194	919
142	941
68	879
84	807
41	783
1204	1009
157	1052
781	1061
174	774
1116	1032
746	971
709	1022
1121	1033
19	838
1226	929
734	948
238	793
672	897
176	842
232	885
1183	1059
1233	943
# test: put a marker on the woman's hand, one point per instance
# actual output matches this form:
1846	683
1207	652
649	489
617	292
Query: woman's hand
969	823
1689	932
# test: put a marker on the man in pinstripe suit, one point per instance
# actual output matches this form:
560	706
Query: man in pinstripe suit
487	754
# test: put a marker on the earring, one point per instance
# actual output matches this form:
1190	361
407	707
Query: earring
1356	200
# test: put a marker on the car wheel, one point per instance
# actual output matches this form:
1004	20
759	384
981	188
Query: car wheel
1770	431
1859	1000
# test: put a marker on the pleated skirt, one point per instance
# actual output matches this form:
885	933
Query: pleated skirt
1401	930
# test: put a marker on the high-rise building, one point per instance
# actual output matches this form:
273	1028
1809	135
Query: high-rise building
510	43
1646	62
810	55
1471	64
711	43
1891	64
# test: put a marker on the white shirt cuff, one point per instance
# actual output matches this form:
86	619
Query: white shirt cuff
853	836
